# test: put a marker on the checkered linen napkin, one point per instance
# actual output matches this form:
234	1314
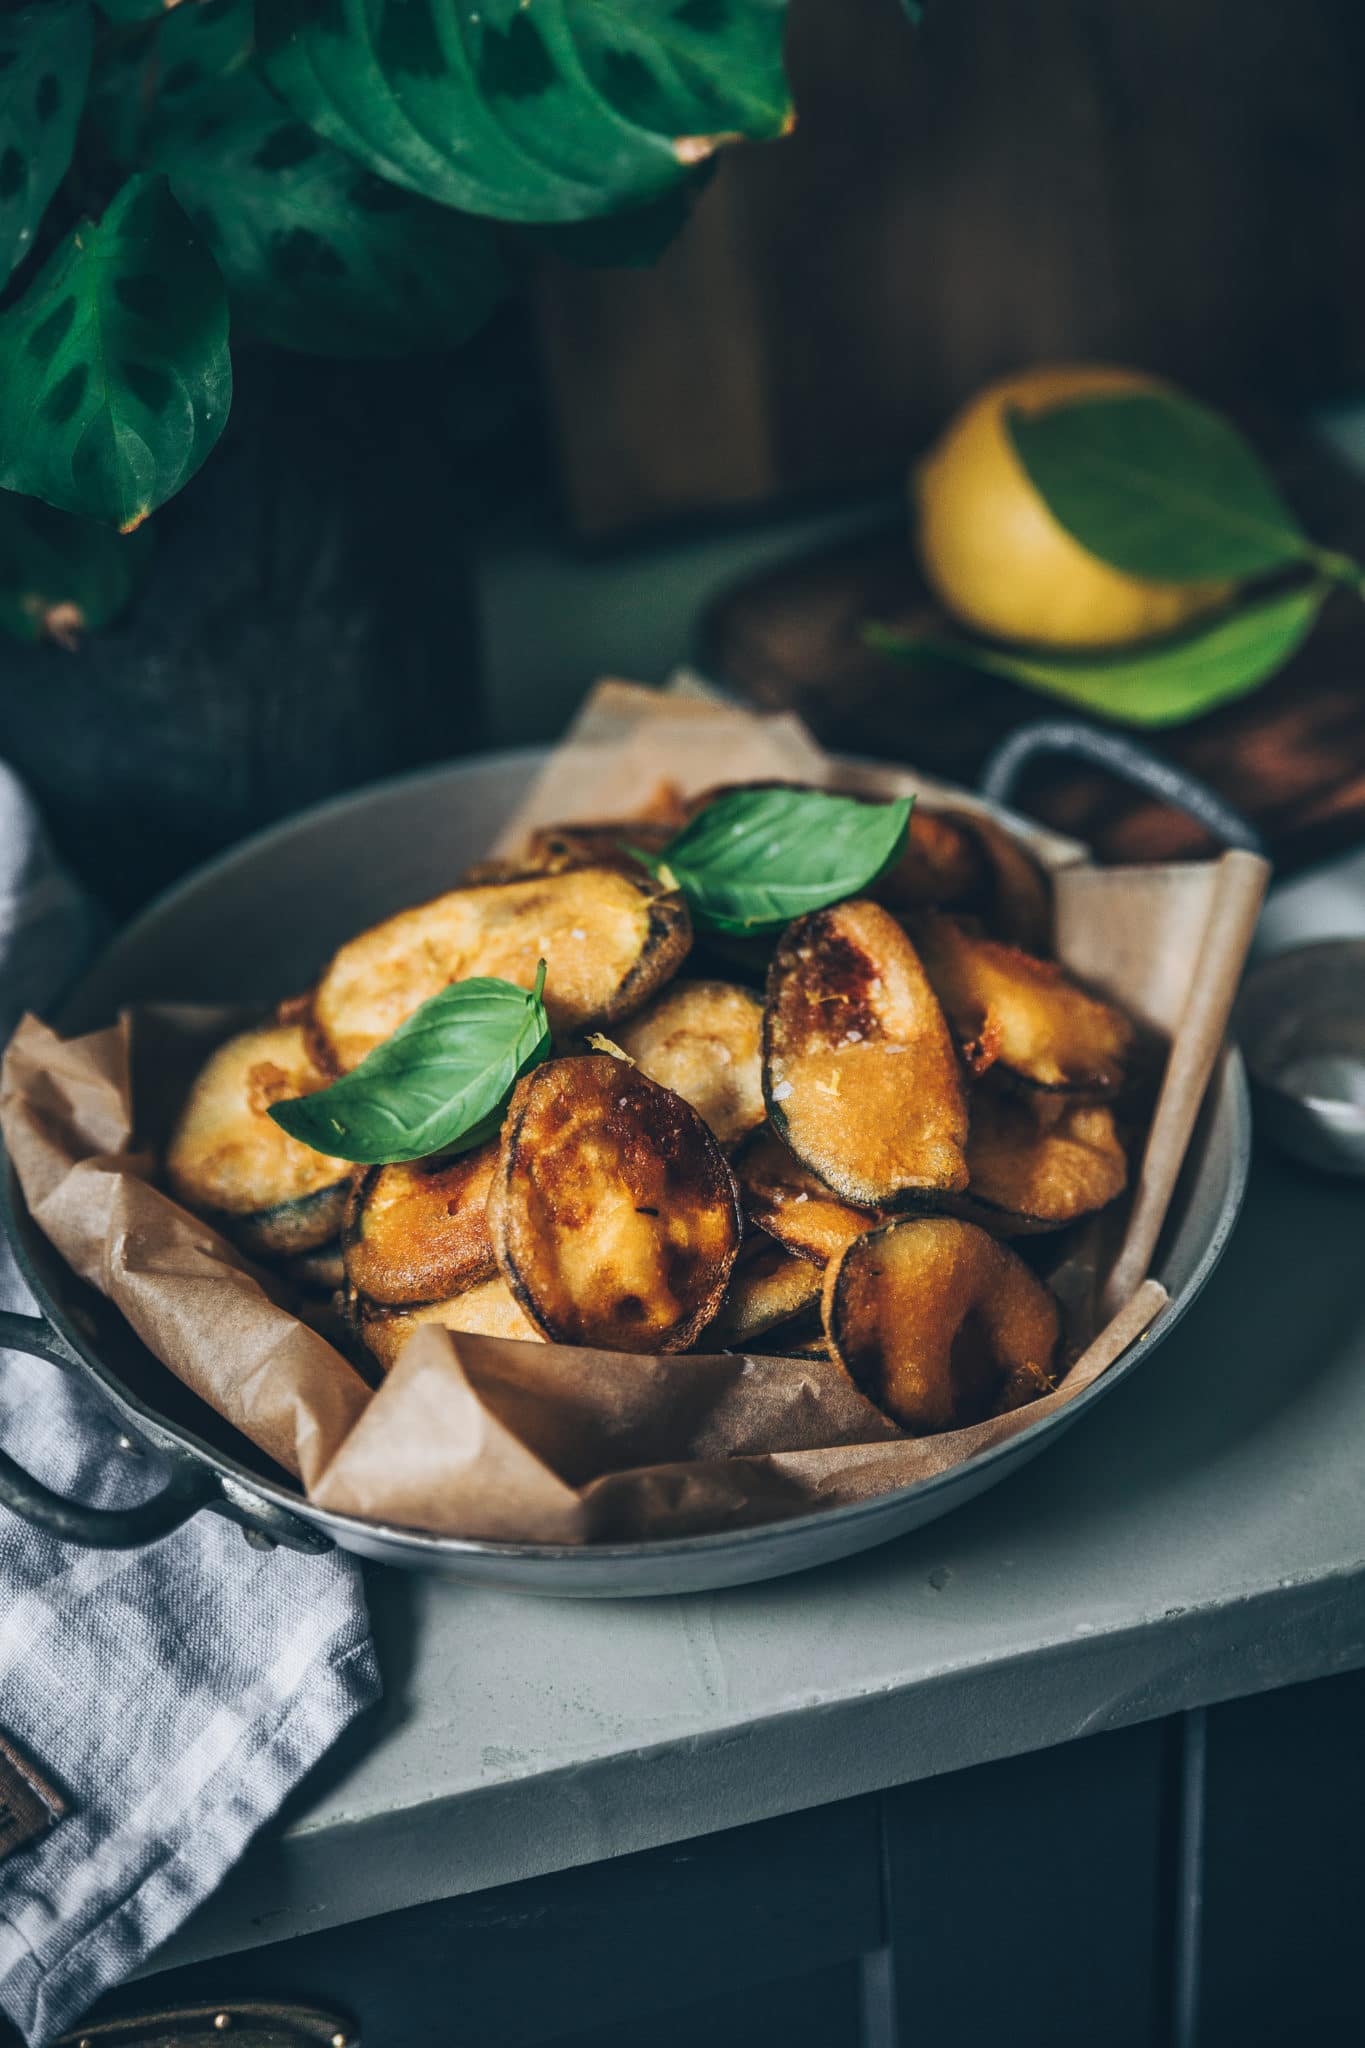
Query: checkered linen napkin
174	1694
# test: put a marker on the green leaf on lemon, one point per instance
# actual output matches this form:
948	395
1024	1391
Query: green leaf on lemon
1158	486
438	1084
1162	683
756	858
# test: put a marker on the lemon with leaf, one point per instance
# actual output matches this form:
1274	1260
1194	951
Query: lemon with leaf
1001	561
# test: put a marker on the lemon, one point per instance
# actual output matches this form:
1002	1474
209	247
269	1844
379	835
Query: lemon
993	552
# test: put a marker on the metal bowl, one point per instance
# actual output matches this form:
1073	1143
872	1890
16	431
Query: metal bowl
1301	1021
243	927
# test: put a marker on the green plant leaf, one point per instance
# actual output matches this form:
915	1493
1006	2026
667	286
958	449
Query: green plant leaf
317	253
61	577
1164	683
438	1085
142	81
529	111
1159	487
115	379
44	60
756	858
633	240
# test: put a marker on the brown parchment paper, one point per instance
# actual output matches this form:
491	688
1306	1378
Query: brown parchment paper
484	1437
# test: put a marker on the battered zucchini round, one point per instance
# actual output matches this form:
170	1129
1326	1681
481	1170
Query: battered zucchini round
768	1286
859	1070
1039	1163
610	937
1026	1014
942	863
487	1310
703	1039
790	1204
939	1324
419	1233
615	1218
231	1163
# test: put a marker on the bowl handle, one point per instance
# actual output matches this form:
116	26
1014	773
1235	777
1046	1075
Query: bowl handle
192	1483
1126	758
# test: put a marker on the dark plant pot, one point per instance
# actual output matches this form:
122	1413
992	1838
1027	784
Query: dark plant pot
305	626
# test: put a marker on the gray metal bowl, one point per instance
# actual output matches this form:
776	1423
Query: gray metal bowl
1301	1021
249	926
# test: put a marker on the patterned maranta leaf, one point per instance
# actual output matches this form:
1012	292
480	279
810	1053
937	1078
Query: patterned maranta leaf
531	110
317	253
44	60
115	379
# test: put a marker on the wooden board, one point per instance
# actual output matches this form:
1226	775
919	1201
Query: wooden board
1291	756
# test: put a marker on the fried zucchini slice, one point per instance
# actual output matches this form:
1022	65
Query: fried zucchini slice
419	1233
939	1324
615	1218
609	934
1026	1014
1015	896
1037	1162
768	1286
488	1310
942	863
554	849
319	1272
859	1071
802	1337
704	1040
232	1164
792	1206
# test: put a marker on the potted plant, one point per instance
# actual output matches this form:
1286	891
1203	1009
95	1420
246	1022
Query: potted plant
224	228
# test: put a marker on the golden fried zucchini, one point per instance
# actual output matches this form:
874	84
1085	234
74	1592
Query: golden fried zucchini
319	1272
859	1071
768	1286
802	1337
488	1310
615	1218
1015	895
787	1202
939	1324
231	1163
610	937
554	849
1026	1014
704	1040
942	863
419	1233
1039	1162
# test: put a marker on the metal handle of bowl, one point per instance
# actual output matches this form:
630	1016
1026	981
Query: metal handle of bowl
191	1483
1129	760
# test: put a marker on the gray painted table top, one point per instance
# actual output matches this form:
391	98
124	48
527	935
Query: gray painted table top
1201	1536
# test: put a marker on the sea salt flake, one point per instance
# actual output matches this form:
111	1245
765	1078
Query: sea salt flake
782	1091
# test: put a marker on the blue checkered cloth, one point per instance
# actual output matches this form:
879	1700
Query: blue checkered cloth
175	1694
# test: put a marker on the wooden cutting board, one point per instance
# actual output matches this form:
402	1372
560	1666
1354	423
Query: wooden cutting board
1291	756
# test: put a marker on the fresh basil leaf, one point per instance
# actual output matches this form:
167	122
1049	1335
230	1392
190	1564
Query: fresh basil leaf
1166	682
317	253
44	59
1158	486
756	858
61	577
438	1085
531	113
115	379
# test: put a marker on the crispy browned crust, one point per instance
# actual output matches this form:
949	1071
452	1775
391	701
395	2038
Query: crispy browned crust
704	1040
939	1324
419	1233
554	849
615	1218
942	863
1026	1015
786	1201
609	934
486	1310
859	1071
1038	1162
229	1161
768	1286
1014	896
